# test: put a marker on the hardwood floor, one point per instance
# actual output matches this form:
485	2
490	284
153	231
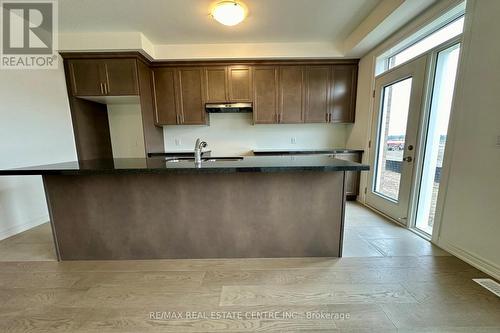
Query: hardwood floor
395	284
35	244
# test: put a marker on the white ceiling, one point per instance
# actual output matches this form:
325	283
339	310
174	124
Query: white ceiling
188	21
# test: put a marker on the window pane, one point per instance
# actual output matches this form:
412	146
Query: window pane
449	31
391	139
442	95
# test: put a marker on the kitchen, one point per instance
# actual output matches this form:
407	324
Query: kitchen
242	163
181	94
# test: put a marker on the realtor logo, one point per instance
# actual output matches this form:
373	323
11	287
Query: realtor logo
29	34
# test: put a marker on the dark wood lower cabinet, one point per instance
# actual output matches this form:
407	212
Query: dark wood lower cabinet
351	177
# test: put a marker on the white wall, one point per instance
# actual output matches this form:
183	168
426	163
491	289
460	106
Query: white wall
35	128
470	218
234	134
125	127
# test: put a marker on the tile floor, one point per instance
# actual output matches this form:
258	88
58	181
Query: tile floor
368	234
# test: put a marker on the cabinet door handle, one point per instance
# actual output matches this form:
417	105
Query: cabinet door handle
101	87
105	88
330	118
177	119
326	117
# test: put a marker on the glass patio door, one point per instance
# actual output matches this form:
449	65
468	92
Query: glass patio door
398	102
436	135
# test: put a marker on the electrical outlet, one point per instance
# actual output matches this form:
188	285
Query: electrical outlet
177	142
293	140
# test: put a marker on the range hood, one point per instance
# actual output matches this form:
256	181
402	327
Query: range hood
228	107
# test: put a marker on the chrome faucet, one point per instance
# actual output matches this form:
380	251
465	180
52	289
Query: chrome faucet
198	146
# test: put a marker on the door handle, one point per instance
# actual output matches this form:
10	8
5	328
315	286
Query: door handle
408	159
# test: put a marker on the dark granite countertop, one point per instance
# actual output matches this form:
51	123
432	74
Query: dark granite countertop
259	152
160	165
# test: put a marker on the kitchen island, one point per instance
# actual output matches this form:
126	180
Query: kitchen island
153	208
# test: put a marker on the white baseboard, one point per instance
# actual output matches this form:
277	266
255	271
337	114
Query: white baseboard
14	230
482	264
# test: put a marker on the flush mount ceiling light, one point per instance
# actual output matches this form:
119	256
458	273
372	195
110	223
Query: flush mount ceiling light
229	12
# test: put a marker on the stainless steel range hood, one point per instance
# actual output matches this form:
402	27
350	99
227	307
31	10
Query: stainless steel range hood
228	107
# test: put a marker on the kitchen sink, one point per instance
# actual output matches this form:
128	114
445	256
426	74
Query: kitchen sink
204	159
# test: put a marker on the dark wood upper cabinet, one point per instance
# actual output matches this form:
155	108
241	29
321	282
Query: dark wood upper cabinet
291	94
265	94
190	96
317	94
166	111
103	77
240	83
216	85
179	96
228	84
121	75
87	77
299	91
343	93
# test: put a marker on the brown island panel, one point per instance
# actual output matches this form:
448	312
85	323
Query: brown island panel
192	215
